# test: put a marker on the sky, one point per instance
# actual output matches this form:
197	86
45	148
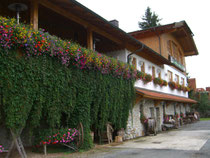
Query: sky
195	12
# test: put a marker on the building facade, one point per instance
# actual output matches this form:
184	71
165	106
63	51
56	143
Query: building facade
157	52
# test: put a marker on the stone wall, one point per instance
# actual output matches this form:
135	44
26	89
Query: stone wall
188	109
160	106
170	109
178	108
134	127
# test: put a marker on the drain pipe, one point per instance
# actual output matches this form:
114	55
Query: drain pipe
138	50
158	40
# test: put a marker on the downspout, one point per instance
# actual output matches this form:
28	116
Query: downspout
138	50
158	40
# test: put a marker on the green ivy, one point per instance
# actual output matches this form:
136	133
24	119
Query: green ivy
41	93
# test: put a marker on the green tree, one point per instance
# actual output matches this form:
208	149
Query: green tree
203	105
150	19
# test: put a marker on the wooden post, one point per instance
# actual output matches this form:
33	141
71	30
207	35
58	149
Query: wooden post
45	149
19	145
34	17
89	39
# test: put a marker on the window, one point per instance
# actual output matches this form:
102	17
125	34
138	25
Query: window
180	57
182	81
169	47
152	114
143	67
177	79
153	72
170	76
159	74
134	62
175	51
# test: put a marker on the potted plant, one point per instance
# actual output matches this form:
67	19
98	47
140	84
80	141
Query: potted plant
165	83
147	78
142	118
172	85
140	75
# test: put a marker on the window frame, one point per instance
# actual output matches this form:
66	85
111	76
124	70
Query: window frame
171	74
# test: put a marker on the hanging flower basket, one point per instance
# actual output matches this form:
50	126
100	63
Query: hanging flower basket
140	75
165	83
147	78
179	87
186	89
172	85
160	82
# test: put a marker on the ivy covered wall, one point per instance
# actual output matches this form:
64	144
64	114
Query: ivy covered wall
50	83
41	92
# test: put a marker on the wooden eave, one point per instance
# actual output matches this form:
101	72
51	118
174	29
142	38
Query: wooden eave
180	31
153	56
163	96
87	18
186	41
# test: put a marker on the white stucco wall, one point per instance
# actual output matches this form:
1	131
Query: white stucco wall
164	71
122	56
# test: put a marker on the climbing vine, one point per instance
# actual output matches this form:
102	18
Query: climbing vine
40	92
49	83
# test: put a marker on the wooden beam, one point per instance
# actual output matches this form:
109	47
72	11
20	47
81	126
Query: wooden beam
157	102
34	16
89	39
168	103
78	20
139	98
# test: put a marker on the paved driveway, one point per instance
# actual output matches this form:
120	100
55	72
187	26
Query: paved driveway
190	141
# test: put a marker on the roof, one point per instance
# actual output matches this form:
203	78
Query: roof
180	30
192	83
163	96
89	17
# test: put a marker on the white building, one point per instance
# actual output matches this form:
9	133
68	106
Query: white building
170	45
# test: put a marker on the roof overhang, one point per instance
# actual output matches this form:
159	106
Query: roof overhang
180	30
163	96
88	18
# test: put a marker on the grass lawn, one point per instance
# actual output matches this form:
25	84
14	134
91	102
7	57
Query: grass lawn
205	119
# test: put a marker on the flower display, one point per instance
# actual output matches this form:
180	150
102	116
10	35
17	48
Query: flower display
1	148
147	78
179	87
160	82
41	43
172	85
165	83
63	136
